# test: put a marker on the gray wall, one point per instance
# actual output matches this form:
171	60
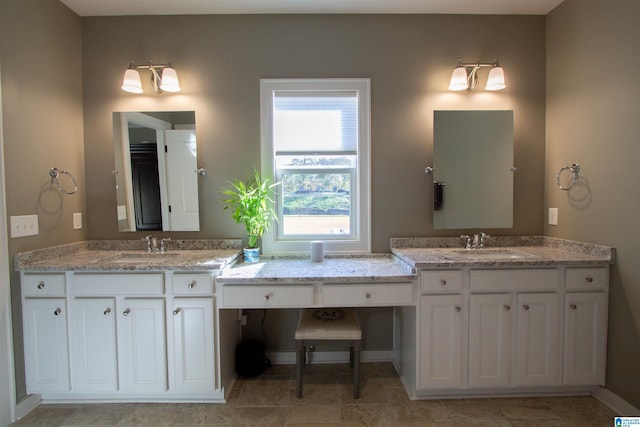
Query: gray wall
40	55
220	60
593	117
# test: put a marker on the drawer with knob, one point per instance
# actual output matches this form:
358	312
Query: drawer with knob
251	296
441	281
43	285
587	279
192	284
361	295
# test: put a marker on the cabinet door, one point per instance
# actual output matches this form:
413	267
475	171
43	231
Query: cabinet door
142	351
441	335
46	345
490	340
193	345
94	344
585	338
538	333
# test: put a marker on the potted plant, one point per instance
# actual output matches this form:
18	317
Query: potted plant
251	203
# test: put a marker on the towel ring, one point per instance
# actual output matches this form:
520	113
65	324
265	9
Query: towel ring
55	175
574	168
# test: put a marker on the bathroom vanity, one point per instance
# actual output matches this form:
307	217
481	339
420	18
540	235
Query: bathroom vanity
103	323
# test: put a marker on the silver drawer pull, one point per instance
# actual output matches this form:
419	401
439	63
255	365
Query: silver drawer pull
525	306
57	312
589	279
458	309
368	295
573	307
507	307
192	284
176	311
107	311
41	285
443	282
126	312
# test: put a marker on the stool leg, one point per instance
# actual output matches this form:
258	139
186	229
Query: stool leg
356	370
300	355
351	356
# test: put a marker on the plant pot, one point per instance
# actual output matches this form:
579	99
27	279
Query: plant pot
251	254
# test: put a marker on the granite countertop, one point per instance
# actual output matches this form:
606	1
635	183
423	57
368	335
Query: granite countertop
536	251
370	268
130	255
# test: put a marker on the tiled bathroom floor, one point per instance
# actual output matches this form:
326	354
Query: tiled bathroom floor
328	401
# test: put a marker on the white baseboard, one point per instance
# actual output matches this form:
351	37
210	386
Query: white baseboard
324	357
27	405
617	404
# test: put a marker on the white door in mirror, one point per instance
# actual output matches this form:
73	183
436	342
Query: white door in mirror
182	180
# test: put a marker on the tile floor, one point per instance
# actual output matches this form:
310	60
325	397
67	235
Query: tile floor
269	400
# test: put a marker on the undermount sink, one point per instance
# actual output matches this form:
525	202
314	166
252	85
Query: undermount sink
139	258
492	254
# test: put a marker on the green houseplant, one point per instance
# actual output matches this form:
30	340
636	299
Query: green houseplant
251	203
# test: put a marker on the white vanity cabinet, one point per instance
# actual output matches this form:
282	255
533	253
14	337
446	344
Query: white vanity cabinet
192	342
118	332
442	315
45	332
585	326
514	328
122	336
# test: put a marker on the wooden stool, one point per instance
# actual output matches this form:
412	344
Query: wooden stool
319	326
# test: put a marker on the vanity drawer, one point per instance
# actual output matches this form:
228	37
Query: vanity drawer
587	279
43	285
347	295
441	281
117	284
249	296
514	280
192	284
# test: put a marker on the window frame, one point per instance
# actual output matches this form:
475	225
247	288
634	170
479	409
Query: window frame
360	241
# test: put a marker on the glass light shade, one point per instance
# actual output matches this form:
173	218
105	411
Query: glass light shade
169	81
495	81
131	81
459	79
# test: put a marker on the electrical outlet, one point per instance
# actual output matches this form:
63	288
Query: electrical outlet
77	221
122	212
24	225
553	216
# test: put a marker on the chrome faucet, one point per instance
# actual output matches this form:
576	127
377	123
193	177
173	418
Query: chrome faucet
163	244
476	242
152	243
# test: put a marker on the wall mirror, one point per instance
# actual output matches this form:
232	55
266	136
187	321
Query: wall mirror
156	171
473	163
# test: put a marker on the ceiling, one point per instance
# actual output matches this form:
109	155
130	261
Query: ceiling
197	7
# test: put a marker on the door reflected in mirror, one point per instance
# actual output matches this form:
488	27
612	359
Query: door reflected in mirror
473	162
156	171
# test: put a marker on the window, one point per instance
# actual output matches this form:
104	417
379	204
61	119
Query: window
315	142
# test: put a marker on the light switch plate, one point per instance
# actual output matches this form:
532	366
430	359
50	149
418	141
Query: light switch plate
77	221
24	225
553	216
122	212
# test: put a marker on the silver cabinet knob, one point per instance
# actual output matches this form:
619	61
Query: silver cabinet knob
176	311
589	279
126	312
573	307
507	307
443	282
267	297
41	285
57	311
525	306
107	311
458	309
192	284
368	295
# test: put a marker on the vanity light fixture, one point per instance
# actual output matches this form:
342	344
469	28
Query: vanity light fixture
465	76
163	78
